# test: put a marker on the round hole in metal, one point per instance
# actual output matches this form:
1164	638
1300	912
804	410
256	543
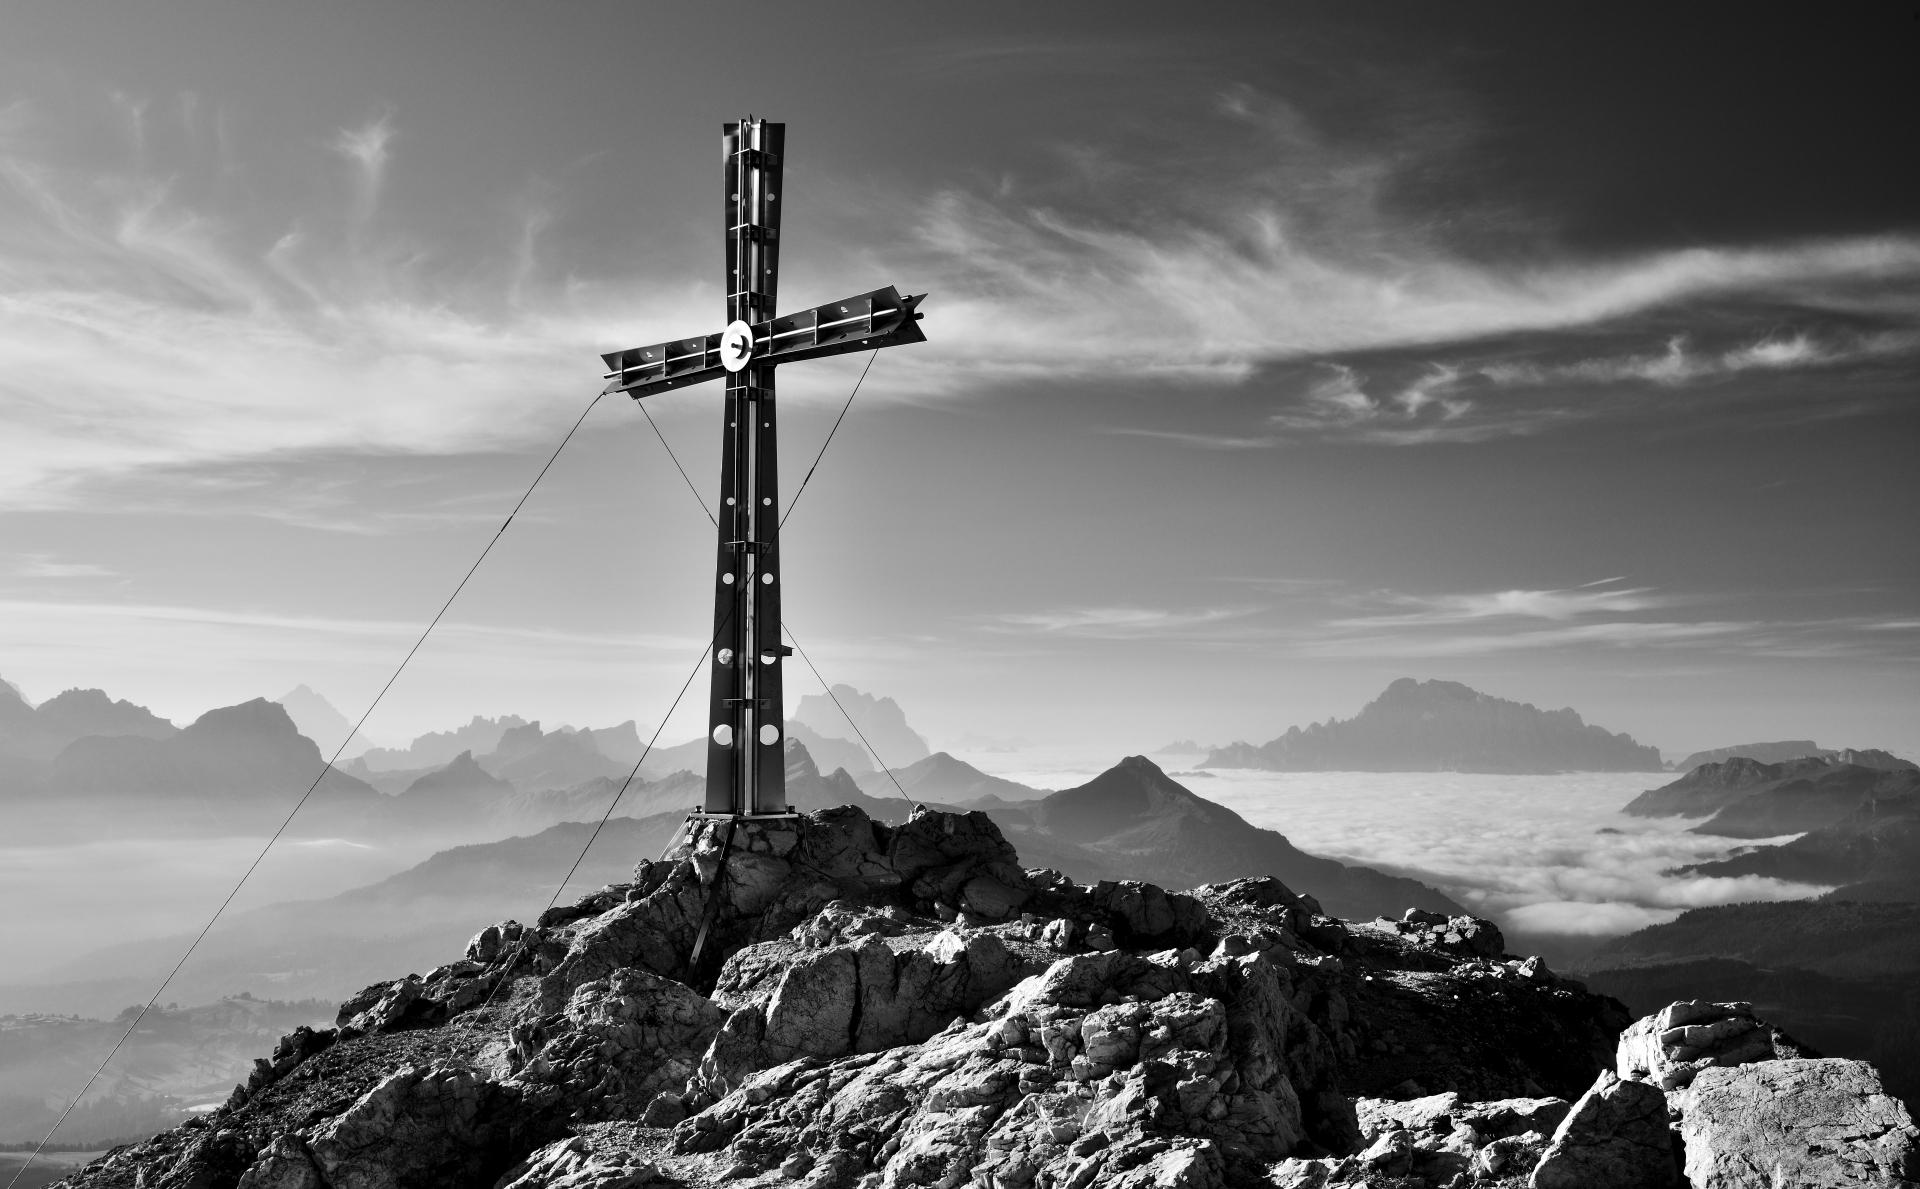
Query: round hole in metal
723	735
769	733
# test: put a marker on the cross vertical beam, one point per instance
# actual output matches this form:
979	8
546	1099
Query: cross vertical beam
746	756
746	753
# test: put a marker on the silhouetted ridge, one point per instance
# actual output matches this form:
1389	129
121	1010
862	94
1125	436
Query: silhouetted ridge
1443	726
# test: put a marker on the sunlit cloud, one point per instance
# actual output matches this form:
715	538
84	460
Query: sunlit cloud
1215	299
144	324
42	565
1112	622
369	147
1538	854
1558	605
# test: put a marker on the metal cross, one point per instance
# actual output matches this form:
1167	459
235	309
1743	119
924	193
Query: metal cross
746	758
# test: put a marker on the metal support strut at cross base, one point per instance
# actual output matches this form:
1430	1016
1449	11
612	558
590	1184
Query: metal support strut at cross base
746	758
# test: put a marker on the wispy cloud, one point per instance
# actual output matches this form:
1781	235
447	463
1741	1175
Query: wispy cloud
369	147
1679	363
1557	605
1214	295
1202	441
1115	622
43	565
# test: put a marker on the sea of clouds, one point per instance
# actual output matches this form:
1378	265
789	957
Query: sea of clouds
1537	854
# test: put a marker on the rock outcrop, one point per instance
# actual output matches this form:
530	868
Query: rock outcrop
831	1002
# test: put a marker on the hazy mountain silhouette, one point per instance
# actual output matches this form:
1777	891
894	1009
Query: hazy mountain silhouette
321	721
38	733
249	752
1443	726
941	777
534	759
879	719
480	736
622	743
831	752
461	786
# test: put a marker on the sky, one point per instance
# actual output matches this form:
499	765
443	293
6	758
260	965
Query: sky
1275	352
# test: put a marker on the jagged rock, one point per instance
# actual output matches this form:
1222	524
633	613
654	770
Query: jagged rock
1108	1068
1438	1137
789	1002
577	1162
907	1006
619	1043
390	1006
492	941
1615	1137
420	1126
1809	1123
1671	1046
1469	937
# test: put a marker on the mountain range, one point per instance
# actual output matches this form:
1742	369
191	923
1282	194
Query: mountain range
1743	798
1781	750
1443	726
1130	821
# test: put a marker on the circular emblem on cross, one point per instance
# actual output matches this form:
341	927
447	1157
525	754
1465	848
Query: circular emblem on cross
736	345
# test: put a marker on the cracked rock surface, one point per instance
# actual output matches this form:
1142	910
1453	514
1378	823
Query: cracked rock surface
1814	1124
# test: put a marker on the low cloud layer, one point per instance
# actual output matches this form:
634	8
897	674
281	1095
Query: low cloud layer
1543	854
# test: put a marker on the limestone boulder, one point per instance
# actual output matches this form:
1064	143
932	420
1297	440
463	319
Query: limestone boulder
1671	1046
1809	1123
1615	1137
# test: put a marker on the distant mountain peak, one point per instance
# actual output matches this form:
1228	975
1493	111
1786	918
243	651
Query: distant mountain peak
879	719
1444	726
321	721
253	715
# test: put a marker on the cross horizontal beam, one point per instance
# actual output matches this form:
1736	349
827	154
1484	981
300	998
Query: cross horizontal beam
882	318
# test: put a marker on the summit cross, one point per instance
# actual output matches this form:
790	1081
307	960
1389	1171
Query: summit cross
746	757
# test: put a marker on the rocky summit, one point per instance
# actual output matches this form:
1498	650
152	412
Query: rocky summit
876	1006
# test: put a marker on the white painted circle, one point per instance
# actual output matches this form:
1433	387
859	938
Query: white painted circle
736	345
